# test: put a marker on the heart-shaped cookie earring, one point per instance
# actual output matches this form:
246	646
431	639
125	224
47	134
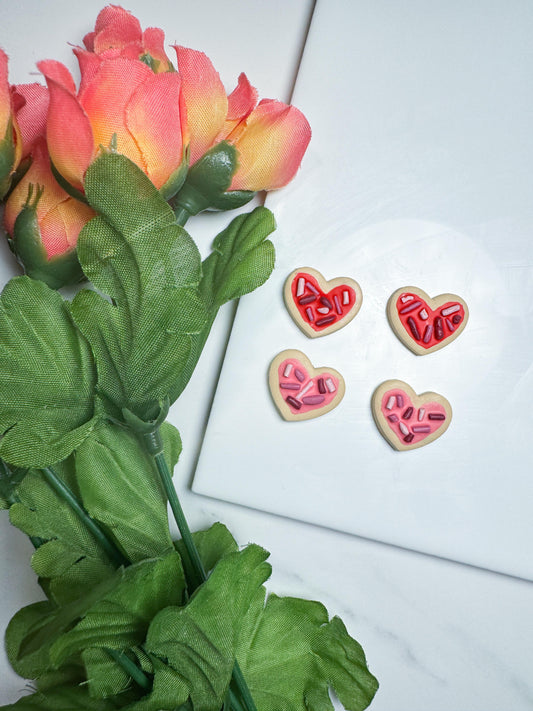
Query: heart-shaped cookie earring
301	391
408	420
425	324
317	306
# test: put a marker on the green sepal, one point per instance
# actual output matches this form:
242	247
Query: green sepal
10	478
67	187
176	179
207	183
7	159
26	243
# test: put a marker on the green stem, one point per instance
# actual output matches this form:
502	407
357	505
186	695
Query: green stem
129	666
154	446
62	490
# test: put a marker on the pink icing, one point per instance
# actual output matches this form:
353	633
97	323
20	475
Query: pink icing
403	427
308	388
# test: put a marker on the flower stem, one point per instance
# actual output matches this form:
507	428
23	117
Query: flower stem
154	446
182	215
62	490
129	666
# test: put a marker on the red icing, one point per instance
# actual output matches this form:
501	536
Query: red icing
413	420
416	326
335	298
310	392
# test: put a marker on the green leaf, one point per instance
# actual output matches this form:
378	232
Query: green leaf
71	559
198	641
120	488
149	268
291	653
120	618
64	698
212	545
242	258
10	478
47	377
104	676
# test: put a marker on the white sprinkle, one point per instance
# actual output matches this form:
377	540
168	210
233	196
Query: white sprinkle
301	286
345	297
423	314
407	298
287	370
403	428
330	385
305	389
450	310
421	414
323	310
391	402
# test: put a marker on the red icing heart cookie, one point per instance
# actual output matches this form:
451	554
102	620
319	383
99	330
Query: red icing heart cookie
318	306
300	391
408	420
425	324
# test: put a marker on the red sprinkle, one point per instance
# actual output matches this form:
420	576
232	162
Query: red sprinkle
307	299
414	330
456	319
409	438
327	319
436	416
407	414
324	300
321	385
293	402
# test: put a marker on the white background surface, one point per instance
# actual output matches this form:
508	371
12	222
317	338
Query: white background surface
438	635
419	173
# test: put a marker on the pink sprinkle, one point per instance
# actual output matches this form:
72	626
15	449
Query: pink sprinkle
299	374
399	400
287	370
311	288
393	418
428	333
410	307
313	400
330	385
306	389
450	310
403	428
300	287
390	402
421	428
289	386
450	325
337	304
309	314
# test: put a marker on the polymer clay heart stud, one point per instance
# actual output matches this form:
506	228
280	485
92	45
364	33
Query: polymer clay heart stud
425	324
301	391
317	306
408	420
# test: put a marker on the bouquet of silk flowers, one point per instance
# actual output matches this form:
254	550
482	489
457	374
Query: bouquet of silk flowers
98	181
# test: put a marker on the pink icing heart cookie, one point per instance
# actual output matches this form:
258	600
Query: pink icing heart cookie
425	324
408	420
317	306
300	391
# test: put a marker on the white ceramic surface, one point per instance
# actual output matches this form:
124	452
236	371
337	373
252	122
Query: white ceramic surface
419	173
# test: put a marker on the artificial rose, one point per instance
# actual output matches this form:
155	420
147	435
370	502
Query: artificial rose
43	223
271	138
30	102
117	29
10	143
120	102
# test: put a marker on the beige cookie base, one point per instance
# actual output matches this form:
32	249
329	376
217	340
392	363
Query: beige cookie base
434	303
417	401
273	382
325	286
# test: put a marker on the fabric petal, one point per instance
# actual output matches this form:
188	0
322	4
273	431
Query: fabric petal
68	130
205	99
154	44
5	96
153	118
105	100
33	101
271	146
115	27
